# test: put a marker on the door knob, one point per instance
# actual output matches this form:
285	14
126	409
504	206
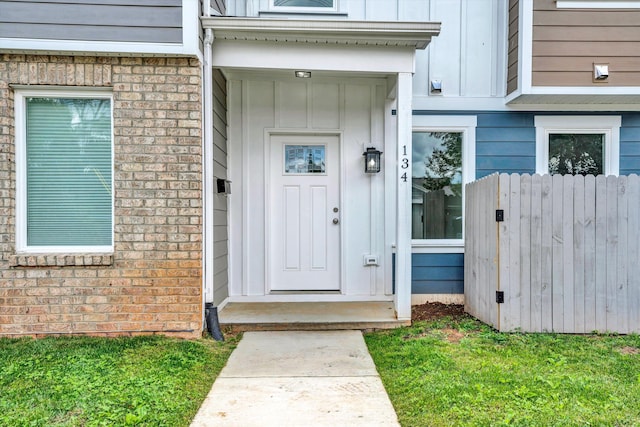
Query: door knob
336	220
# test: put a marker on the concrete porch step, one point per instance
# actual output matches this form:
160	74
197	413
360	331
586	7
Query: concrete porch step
283	316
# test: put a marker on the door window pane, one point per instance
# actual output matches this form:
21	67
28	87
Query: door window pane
576	154
68	170
304	159
303	3
437	185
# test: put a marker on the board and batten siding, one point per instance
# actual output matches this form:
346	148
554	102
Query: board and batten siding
512	58
350	108
468	56
150	21
565	256
220	202
567	42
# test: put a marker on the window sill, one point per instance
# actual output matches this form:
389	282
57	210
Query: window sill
61	260
437	248
289	13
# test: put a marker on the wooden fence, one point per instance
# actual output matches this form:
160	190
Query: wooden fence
566	256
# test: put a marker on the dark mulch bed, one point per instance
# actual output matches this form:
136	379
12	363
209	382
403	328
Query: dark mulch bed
435	310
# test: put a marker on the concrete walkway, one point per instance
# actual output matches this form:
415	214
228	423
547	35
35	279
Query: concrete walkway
298	378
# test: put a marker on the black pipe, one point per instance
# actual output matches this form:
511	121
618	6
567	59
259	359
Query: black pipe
213	326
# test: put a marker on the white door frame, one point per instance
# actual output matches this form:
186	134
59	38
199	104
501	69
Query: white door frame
268	135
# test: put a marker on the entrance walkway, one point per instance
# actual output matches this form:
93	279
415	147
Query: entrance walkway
298	378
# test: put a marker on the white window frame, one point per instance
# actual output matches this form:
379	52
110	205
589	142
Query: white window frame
458	124
303	9
21	168
598	4
609	126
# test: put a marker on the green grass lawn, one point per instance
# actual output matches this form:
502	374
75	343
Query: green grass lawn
84	381
459	372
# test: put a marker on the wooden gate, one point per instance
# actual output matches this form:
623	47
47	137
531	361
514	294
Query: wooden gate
562	251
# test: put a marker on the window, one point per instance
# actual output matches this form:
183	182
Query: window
304	159
304	5
64	172
443	160
577	145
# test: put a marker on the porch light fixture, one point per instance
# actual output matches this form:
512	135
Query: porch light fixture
372	160
303	74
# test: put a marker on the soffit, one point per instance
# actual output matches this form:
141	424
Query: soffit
577	100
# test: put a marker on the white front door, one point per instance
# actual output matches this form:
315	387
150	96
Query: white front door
304	213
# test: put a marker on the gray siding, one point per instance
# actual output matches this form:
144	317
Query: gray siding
220	203
151	21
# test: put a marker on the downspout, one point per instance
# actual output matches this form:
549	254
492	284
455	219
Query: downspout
210	313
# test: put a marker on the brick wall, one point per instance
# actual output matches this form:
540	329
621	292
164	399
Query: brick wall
153	280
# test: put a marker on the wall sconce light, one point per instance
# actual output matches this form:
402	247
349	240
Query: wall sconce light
303	74
372	160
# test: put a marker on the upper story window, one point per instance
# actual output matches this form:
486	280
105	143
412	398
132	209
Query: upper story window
304	5
577	145
64	164
443	160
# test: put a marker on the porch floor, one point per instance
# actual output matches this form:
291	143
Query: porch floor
282	316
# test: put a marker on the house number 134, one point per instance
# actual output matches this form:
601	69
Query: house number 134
404	163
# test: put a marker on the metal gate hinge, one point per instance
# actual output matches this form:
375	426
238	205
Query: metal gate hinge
500	297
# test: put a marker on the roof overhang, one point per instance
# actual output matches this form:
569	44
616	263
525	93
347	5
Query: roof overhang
326	45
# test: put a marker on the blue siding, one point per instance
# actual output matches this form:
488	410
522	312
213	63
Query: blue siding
437	273
630	144
505	142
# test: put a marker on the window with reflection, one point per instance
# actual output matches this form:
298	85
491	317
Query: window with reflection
437	185
576	154
324	4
